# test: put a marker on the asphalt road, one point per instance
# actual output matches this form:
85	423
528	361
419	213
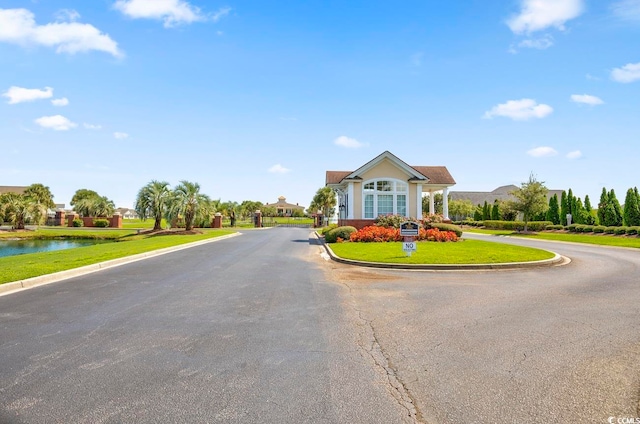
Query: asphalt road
260	328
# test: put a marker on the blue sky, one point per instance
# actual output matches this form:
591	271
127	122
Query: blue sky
253	100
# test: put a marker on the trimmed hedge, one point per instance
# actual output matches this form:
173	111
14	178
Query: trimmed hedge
343	233
554	227
447	227
599	229
101	223
516	225
77	222
620	231
632	231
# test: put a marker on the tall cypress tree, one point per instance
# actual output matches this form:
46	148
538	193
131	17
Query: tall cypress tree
495	211
590	219
564	208
486	211
631	209
553	213
616	207
604	201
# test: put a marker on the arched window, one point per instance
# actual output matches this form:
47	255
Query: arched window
384	197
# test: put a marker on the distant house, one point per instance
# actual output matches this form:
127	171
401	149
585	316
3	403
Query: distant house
283	208
500	193
12	189
127	213
386	185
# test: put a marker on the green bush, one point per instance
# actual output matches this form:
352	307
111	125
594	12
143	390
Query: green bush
448	227
344	233
77	222
579	228
100	222
632	231
554	227
600	229
610	230
391	221
572	228
516	225
588	229
619	231
328	228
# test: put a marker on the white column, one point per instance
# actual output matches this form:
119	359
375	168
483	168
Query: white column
445	203
350	201
418	201
432	209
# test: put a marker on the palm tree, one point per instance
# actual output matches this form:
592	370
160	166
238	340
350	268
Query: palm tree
185	202
41	196
18	208
153	201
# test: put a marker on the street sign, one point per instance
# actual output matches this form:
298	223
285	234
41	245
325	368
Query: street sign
409	246
409	229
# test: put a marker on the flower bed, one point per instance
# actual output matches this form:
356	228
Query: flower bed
375	234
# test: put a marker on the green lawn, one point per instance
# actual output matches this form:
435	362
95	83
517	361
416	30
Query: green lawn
462	252
598	239
126	243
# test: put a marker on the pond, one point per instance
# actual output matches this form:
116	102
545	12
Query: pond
20	247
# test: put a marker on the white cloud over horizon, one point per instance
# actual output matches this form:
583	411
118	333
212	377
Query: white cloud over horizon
120	135
18	26
60	102
542	152
586	99
627	10
538	15
278	169
349	143
541	43
171	12
20	94
519	110
627	73
576	154
92	126
56	123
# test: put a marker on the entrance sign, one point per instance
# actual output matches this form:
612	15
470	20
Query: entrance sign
409	229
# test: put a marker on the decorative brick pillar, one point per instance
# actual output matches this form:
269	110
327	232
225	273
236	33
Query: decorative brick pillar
59	219
257	219
116	221
70	219
217	220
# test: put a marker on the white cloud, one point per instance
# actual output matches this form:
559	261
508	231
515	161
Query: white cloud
19	94
18	26
576	154
56	122
586	99
60	102
67	15
537	15
92	126
542	152
171	12
628	10
278	169
541	43
628	73
519	110
350	143
120	135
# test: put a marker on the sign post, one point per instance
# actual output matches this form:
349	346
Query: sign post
409	230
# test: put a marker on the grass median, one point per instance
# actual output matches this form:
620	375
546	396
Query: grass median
597	239
461	252
125	243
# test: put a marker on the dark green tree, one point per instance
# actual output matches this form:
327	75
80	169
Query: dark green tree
604	201
553	213
486	211
564	208
477	213
495	211
631	209
617	208
153	202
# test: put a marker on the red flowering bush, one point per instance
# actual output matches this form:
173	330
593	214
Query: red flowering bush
375	234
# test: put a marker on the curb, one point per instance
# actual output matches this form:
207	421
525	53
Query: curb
556	260
15	286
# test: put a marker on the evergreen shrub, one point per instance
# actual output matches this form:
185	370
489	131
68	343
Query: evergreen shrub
343	233
599	229
619	231
77	222
100	222
633	231
609	230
